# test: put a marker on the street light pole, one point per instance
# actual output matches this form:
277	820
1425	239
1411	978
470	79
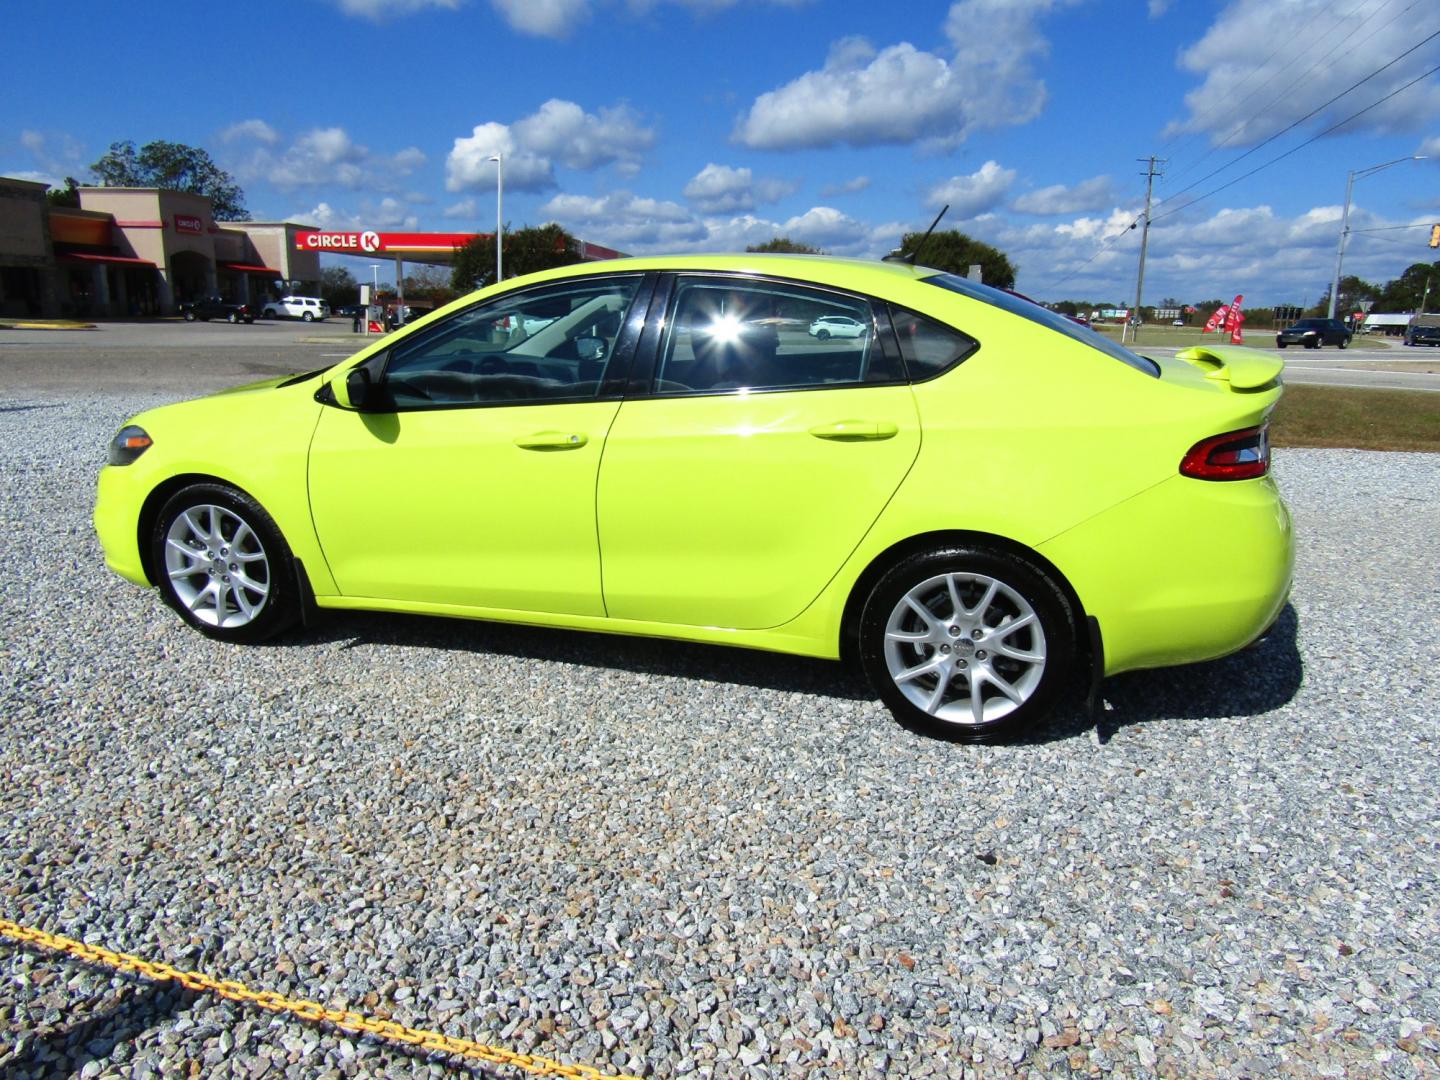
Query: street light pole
1345	223
499	160
374	294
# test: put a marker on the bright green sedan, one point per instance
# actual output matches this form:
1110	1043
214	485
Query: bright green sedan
975	499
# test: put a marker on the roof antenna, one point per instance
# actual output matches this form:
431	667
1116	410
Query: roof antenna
910	259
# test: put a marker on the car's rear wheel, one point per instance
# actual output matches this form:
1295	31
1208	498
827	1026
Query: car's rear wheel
967	643
308	317
1343	343
223	565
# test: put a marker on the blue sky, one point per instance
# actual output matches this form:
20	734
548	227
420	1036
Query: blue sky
685	125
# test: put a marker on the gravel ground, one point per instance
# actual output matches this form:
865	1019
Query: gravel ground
685	861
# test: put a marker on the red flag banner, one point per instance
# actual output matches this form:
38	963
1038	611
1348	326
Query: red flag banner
1217	320
1234	320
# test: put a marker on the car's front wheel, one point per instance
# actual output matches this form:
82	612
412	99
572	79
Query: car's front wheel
233	318
823	335
967	643
1280	344
223	565
189	316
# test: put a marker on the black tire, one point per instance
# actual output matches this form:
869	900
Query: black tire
189	316
1343	343
1021	582
233	318
1313	343
823	334
308	317
1280	345
271	589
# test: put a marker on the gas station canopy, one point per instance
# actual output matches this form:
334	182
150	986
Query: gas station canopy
435	248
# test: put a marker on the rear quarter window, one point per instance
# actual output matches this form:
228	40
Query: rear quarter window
1034	313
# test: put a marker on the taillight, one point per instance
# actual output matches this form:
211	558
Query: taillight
1236	455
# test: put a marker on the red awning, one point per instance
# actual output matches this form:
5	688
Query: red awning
247	268
123	260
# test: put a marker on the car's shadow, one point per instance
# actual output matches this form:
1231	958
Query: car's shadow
1257	680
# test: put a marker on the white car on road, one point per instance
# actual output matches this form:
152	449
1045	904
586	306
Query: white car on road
308	308
828	326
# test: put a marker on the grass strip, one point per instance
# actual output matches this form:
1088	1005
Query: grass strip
1327	416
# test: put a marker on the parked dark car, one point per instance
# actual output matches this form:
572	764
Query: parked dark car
1313	333
215	307
1423	330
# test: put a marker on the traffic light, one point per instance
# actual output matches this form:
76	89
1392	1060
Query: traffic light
1435	236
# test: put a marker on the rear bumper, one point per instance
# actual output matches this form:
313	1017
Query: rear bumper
1187	571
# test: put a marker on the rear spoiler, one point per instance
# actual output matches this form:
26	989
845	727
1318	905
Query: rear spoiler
1243	369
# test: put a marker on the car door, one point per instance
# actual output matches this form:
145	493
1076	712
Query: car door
472	483
754	459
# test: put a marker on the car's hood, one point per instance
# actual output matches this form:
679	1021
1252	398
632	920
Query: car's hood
269	384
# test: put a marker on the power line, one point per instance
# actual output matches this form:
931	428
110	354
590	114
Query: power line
1336	26
1301	146
1313	112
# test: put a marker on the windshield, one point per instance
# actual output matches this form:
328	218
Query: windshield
1028	309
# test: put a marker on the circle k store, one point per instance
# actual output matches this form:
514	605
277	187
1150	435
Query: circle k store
138	251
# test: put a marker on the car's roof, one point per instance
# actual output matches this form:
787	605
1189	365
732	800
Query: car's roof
819	267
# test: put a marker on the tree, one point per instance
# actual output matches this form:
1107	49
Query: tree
429	283
173	167
1407	292
338	286
69	195
527	250
954	252
785	246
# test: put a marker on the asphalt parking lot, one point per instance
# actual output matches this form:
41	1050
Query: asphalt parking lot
676	860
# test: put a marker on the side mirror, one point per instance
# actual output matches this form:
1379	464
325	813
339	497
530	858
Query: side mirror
359	389
590	348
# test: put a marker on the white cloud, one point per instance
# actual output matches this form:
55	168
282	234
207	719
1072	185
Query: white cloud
722	189
968	196
564	132
1430	148
1158	8
34	176
381	10
54	155
901	94
465	208
388	213
543	18
1093	194
469	166
250	131
318	158
1250	90
559	132
848	187
559	18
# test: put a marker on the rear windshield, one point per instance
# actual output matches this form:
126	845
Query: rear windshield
1051	320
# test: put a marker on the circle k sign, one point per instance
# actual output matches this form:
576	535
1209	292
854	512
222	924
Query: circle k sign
367	242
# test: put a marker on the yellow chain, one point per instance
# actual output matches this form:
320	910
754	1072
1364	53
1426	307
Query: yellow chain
311	1011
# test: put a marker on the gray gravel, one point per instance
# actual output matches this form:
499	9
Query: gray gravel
686	861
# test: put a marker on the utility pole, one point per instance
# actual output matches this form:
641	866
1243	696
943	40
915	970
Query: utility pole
1150	173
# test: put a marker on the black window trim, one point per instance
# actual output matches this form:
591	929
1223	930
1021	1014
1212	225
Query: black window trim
647	364
617	372
910	376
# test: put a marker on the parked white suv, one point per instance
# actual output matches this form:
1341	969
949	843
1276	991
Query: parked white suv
297	307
